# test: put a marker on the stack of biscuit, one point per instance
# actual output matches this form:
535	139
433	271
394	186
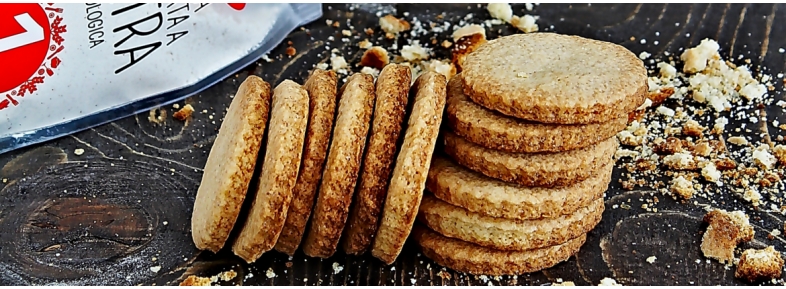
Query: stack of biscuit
529	145
346	163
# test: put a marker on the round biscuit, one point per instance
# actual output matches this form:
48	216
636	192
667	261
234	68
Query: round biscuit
470	258
412	164
283	151
475	192
322	89
507	234
531	169
342	168
230	165
392	89
497	131
555	78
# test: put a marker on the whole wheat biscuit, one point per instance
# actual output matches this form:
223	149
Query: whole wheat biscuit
340	174
475	192
531	169
392	91
288	121
412	164
494	130
553	78
470	258
230	165
507	234
321	88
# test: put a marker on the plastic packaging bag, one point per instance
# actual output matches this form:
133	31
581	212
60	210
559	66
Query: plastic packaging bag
69	67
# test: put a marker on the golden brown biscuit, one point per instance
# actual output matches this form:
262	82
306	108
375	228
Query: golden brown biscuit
535	169
470	258
507	234
340	175
475	192
230	165
496	131
554	78
392	91
288	121
409	175
321	88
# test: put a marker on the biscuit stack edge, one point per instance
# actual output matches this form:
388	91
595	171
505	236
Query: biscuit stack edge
528	152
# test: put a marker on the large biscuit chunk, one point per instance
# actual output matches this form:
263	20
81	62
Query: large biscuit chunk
506	234
230	165
288	121
392	91
322	89
535	169
496	131
412	164
553	78
470	258
475	192
341	171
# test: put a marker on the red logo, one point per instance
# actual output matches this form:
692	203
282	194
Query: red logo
29	44
237	6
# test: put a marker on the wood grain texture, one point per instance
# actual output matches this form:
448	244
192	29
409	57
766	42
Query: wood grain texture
103	211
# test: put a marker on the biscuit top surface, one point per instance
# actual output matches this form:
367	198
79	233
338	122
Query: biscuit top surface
553	70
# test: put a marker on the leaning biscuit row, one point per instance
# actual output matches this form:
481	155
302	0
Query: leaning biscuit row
315	157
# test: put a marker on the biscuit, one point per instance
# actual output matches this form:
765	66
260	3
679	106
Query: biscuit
535	169
342	168
321	88
475	192
496	131
230	165
412	164
507	234
470	258
392	91
288	121
553	78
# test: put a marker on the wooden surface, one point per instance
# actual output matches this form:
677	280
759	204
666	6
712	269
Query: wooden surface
107	216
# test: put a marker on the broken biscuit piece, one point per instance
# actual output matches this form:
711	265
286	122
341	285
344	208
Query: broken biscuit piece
392	25
759	265
726	230
184	113
464	46
376	57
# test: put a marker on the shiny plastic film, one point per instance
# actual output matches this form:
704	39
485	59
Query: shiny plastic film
69	67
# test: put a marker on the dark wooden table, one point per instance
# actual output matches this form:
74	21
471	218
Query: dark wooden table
123	207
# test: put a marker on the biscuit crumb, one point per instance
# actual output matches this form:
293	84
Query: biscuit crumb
779	151
370	70
442	67
227	275
469	30
759	265
725	231
183	113
763	158
392	25
651	259
693	128
608	282
155	269
269	273
696	58
682	187
738	140
525	23
376	57
414	52
566	283
444	275
501	11
365	44
338	64
79	151
337	268
194	280
710	172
